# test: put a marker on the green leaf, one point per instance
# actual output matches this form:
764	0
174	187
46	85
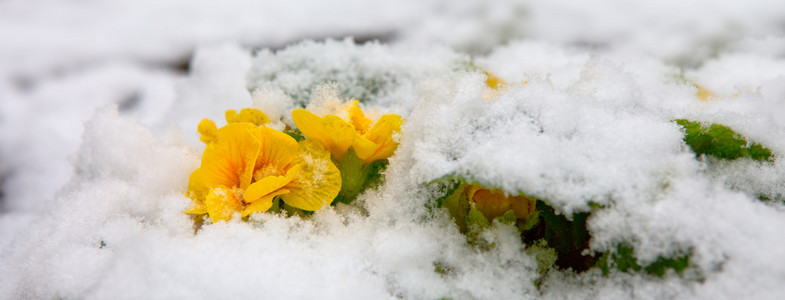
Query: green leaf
476	221
721	142
295	134
276	208
568	238
508	218
623	259
456	203
530	221
662	264
356	177
352	177
447	189
545	257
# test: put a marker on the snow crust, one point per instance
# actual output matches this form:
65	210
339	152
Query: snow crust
97	140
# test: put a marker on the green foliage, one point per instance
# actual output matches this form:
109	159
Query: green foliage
468	218
721	142
280	207
545	256
295	134
508	218
447	189
530	222
569	239
442	268
356	177
476	223
358	83
623	259
455	202
662	264
554	240
467	66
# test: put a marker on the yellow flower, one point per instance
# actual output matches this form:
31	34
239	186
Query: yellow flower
370	141
494	81
705	94
495	203
244	167
208	130
495	86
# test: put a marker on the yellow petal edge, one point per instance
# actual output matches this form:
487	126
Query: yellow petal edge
371	141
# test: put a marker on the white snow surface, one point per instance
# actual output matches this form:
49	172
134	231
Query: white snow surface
98	138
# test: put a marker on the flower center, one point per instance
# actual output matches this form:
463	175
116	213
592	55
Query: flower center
267	171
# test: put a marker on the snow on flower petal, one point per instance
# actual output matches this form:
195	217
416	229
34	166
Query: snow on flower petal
247	115
319	181
223	202
245	167
331	131
382	135
494	81
357	118
270	184
228	162
370	141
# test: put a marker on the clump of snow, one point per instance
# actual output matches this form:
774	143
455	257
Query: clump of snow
385	76
42	125
601	139
535	60
276	105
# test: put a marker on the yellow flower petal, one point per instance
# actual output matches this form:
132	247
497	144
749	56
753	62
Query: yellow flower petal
494	203
335	134
319	181
491	205
381	134
197	209
229	161
494	81
263	204
197	188
522	206
247	115
222	202
276	154
269	184
705	94
364	147
208	131
357	118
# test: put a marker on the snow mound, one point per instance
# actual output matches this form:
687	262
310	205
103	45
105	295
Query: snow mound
385	76
584	132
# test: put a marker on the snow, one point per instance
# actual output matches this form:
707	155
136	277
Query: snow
98	137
